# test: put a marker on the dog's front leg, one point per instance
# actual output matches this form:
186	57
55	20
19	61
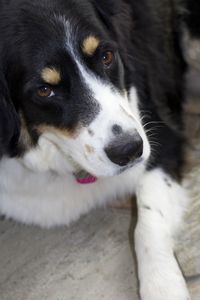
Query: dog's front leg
161	204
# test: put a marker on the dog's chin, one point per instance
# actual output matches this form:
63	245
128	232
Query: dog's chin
83	176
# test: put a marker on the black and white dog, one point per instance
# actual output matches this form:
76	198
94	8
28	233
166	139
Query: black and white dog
91	96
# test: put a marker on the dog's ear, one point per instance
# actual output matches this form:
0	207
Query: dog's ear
9	121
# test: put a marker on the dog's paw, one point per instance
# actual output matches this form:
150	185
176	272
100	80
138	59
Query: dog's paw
165	287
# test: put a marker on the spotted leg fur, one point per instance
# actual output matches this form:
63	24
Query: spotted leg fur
161	204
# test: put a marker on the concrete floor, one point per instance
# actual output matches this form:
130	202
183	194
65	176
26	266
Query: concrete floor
90	260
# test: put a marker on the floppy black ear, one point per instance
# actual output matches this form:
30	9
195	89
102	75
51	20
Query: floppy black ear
9	122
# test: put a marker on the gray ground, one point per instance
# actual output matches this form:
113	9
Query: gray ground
90	260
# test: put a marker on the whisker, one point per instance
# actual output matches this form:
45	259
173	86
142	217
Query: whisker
154	122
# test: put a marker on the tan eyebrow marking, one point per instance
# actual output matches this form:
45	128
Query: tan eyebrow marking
90	45
51	75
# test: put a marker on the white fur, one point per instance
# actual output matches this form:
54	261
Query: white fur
48	199
161	204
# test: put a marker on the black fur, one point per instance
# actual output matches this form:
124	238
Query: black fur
146	35
193	17
9	129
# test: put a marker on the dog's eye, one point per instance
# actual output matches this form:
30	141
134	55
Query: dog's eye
45	91
107	58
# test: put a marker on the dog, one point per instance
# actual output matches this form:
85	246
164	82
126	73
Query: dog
91	97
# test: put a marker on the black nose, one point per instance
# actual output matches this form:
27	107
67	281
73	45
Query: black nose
125	149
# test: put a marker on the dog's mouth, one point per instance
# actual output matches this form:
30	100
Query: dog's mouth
83	177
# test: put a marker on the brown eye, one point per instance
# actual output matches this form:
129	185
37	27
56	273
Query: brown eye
45	91
107	58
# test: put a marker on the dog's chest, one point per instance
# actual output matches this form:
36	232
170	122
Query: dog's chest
47	199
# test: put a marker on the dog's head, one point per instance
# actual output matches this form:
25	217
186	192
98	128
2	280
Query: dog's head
66	80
